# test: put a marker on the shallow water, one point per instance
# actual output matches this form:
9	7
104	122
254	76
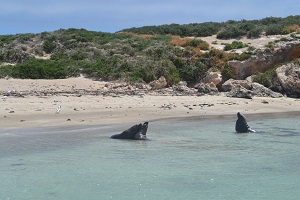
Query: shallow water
184	159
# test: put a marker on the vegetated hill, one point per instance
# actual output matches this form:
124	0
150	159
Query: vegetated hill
123	56
226	30
126	56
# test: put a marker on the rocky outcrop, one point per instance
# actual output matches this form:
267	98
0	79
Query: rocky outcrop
213	77
207	88
289	78
261	91
247	89
231	83
265	59
240	92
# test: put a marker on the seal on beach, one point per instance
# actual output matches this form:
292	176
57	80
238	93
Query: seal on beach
241	125
136	132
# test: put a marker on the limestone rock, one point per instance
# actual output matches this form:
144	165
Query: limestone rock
261	91
240	92
265	60
289	78
159	84
247	89
207	88
213	77
229	84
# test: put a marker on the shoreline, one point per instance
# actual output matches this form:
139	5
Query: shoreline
32	111
36	110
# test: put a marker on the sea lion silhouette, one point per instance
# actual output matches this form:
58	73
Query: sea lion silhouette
241	125
136	132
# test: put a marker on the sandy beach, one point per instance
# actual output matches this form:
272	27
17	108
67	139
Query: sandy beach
41	110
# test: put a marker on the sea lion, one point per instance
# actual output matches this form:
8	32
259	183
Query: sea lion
136	132
241	125
141	134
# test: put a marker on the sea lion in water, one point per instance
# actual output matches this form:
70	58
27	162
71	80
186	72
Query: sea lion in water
141	135
241	125
136	132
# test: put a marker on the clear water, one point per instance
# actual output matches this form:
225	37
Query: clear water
184	159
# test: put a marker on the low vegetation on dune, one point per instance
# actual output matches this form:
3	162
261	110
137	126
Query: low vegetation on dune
134	55
226	30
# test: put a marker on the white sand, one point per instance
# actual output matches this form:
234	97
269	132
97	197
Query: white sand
37	111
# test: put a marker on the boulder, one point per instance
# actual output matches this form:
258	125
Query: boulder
229	84
207	88
247	89
213	77
289	78
159	84
261	91
240	92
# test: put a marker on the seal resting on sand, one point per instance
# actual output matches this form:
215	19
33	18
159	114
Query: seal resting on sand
136	132
241	125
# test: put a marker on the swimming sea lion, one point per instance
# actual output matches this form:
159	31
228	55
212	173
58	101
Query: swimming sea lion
241	125
136	132
141	134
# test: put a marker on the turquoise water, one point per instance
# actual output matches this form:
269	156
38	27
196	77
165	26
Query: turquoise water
184	159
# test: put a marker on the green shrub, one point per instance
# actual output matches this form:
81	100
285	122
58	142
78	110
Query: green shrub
6	70
266	78
49	46
198	43
231	32
41	69
254	33
169	71
234	45
60	55
141	74
79	55
293	35
270	45
227	73
274	30
243	56
107	69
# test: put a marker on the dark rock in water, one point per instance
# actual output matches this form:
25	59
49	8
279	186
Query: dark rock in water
136	132
241	125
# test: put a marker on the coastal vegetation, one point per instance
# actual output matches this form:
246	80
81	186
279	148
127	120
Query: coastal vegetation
136	54
226	30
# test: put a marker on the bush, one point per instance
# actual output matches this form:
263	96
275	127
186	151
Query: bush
266	78
41	69
79	55
49	46
169	71
243	56
254	33
142	74
290	29
234	45
6	70
270	45
232	32
227	73
274	30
